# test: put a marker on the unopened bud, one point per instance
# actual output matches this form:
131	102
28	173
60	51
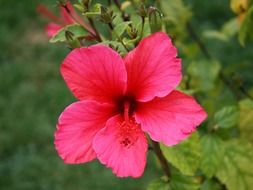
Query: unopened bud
106	15
132	31
142	11
155	19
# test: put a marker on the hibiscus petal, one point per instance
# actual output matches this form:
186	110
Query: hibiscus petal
52	29
77	127
96	72
152	68
123	151
170	119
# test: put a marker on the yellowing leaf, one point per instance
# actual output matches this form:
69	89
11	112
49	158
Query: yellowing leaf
246	119
239	6
236	170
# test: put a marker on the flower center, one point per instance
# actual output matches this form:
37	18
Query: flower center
126	105
129	129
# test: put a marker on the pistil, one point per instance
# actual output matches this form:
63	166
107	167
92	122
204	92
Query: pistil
126	111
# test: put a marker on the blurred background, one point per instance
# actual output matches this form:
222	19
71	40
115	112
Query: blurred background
33	94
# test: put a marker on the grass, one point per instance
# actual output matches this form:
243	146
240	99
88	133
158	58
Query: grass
32	96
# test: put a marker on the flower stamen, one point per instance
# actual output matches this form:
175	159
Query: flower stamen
126	111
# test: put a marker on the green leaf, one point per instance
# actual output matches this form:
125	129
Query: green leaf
230	28
120	29
246	119
116	46
236	170
203	74
184	156
210	185
76	29
211	154
130	43
213	34
246	27
183	182
159	184
227	117
79	7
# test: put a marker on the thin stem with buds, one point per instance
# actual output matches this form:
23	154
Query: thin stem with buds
87	27
222	76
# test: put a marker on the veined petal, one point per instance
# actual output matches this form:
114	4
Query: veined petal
96	73
153	68
170	119
122	147
77	127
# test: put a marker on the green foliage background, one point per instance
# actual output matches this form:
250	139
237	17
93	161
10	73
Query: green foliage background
33	94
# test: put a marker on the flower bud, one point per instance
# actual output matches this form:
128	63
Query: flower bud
155	19
106	15
132	31
142	11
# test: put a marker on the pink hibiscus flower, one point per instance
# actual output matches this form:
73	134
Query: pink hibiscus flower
65	19
120	101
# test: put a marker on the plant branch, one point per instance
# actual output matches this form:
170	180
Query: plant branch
246	93
201	45
161	158
223	78
95	30
142	26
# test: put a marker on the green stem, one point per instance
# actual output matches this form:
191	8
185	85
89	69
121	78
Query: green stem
164	164
142	26
111	27
95	30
